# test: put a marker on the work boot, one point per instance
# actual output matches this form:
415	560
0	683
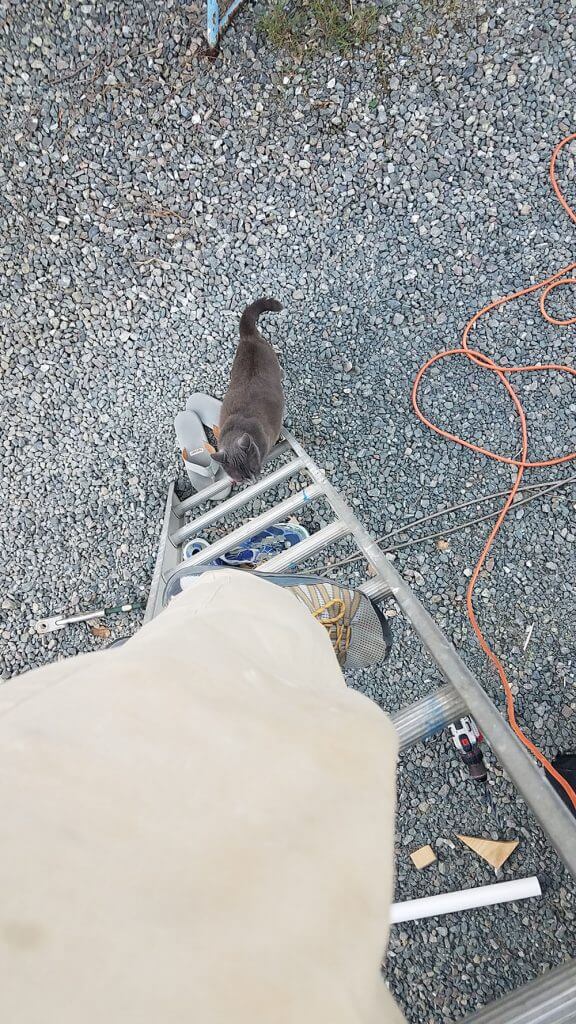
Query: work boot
359	632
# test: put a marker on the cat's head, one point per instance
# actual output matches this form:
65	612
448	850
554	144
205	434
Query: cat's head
240	459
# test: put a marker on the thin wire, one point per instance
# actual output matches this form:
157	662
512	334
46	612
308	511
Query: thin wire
542	488
468	523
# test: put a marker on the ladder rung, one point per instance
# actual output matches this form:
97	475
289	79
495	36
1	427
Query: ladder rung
375	588
550	999
298	552
428	716
212	491
236	501
247	530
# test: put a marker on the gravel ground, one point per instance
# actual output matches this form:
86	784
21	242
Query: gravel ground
147	195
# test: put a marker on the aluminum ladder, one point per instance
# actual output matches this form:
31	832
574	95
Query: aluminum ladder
551	998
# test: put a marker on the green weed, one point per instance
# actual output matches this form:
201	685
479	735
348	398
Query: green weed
326	25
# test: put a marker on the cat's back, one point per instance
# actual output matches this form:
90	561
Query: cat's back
254	358
255	387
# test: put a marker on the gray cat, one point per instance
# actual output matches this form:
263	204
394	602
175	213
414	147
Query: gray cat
253	407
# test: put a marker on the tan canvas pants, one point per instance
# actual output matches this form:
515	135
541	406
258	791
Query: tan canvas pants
196	828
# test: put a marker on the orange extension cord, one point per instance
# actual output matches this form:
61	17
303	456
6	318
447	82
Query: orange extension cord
546	287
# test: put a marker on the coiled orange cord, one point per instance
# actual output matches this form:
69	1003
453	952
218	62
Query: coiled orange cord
558	280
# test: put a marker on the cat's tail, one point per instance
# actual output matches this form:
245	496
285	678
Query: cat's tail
249	318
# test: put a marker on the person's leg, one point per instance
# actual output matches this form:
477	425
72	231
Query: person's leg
358	629
197	826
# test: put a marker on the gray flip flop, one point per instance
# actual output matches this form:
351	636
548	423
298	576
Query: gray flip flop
207	408
200	467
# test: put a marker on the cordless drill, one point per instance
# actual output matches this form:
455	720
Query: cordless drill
466	737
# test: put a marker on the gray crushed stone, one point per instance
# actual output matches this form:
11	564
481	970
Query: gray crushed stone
146	196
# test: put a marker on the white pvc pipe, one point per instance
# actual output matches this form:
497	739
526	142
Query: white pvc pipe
465	899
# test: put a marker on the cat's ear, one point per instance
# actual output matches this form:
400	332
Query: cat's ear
219	457
245	442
